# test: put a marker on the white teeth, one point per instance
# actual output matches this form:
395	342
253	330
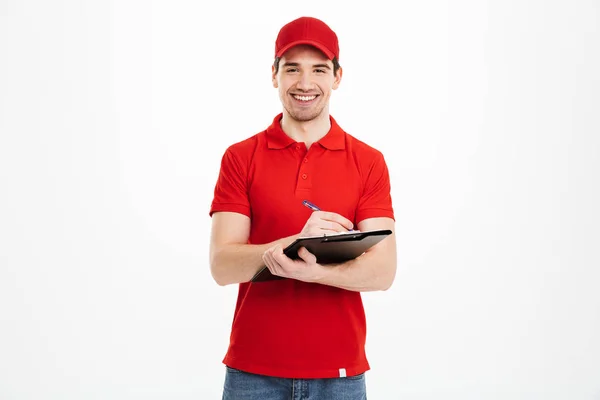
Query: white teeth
304	98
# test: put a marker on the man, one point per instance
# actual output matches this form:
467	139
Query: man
306	333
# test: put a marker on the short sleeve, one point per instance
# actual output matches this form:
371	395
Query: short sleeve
231	189
376	199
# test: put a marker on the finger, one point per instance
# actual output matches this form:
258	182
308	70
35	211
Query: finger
307	256
336	220
339	228
322	225
331	227
279	258
270	262
319	227
277	253
326	232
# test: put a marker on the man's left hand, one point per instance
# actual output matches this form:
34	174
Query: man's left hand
304	269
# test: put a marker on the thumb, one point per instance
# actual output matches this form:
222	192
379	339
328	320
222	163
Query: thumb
307	256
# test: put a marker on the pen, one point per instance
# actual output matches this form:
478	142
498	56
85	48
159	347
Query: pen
315	208
311	205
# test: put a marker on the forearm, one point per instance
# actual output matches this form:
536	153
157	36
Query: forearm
371	271
235	263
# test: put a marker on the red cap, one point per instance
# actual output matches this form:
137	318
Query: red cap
307	30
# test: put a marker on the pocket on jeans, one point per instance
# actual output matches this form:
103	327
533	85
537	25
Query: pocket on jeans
356	377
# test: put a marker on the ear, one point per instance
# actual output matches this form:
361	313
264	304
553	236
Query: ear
337	79
274	77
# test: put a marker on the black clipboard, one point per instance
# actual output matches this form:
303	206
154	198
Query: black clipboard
329	249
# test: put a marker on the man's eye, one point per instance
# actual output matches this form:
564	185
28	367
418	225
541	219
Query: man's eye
320	71
292	70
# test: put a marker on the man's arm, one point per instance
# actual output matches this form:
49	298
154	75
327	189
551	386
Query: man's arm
374	270
232	259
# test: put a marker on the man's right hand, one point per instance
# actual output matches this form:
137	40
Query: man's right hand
325	223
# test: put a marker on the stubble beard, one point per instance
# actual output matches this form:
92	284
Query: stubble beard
304	115
308	115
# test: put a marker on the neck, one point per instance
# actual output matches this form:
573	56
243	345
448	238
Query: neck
306	131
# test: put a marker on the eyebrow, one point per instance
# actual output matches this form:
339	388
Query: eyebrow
294	64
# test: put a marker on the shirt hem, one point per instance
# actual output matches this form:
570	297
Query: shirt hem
297	373
375	213
230	207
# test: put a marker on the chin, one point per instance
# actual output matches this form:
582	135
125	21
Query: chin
305	115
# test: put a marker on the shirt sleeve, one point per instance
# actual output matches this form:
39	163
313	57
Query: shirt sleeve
376	199
231	189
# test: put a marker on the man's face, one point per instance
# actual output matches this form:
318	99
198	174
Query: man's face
305	81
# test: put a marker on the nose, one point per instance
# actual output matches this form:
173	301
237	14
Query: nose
304	82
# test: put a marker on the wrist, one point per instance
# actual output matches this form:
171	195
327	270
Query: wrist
325	273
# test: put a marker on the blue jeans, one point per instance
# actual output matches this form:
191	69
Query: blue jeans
241	385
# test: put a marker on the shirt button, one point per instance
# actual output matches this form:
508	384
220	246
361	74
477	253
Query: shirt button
306	160
304	176
297	147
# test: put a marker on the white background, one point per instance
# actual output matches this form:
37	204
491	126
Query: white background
113	120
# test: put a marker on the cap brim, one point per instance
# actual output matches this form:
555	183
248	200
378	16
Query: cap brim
318	45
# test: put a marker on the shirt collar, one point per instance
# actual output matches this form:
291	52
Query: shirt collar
335	139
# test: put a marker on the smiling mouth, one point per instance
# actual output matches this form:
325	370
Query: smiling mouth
304	98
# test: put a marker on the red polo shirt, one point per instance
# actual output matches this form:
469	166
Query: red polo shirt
288	328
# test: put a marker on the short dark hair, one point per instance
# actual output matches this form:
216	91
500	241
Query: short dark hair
336	64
